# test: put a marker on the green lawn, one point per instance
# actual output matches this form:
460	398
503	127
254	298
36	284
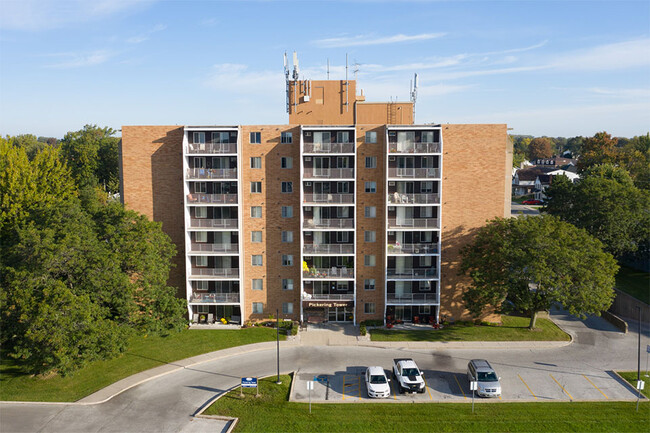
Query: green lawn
631	376
143	353
271	412
513	329
635	283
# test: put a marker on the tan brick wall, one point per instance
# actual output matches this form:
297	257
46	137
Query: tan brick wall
326	105
395	113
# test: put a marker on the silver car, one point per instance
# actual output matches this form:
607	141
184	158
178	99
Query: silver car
481	371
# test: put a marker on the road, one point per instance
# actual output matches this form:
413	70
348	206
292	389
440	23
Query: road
517	209
168	403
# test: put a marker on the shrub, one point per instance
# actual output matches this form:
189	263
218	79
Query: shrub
362	329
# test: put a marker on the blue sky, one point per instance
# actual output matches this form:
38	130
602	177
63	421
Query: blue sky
543	67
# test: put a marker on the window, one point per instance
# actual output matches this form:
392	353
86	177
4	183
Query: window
286	162
369	260
370	212
256	211
256	162
256	137
199	137
256	260
287	284
258	308
220	137
369	308
201	285
426	187
287	211
201	187
286	138
256	187
287	308
258	284
370	236
371	186
287	260
256	236
343	137
287	186
369	284
427	137
343	187
287	237
425	309
371	137
201	212
342	237
201	261
199	162
201	236
371	162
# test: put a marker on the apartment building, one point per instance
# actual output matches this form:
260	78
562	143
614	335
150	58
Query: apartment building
347	213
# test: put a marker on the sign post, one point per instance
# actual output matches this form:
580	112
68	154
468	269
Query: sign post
473	386
639	385
310	386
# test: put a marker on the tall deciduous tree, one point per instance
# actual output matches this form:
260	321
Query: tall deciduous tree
540	147
535	262
599	149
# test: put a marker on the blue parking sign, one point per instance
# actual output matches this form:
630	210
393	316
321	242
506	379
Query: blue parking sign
249	382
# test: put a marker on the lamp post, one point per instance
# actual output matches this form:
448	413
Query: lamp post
277	328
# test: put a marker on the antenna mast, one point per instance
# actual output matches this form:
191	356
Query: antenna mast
328	69
286	77
414	93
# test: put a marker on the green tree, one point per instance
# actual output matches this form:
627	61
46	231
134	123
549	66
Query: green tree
534	263
599	149
635	158
574	145
540	147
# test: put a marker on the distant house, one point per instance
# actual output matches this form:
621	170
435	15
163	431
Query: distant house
554	161
524	180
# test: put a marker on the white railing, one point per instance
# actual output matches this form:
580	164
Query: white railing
411	147
410	298
328	249
212	148
414	172
214	248
412	248
399	198
327	297
328	148
329	173
329	273
329	198
212	198
211	173
215	272
213	223
340	223
412	273
213	298
423	223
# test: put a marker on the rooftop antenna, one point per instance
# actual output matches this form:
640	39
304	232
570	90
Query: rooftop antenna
347	84
295	66
356	69
328	69
414	93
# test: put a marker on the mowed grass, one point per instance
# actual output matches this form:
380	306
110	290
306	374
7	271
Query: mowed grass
271	412
513	328
631	376
635	283
143	353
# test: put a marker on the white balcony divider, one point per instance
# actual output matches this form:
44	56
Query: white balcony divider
211	173
400	198
213	223
212	198
329	198
422	223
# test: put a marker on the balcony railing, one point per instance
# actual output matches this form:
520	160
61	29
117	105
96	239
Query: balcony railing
329	173
215	272
334	223
327	297
211	173
214	248
410	147
212	148
398	198
408	173
397	248
422	223
213	223
412	273
329	148
328	249
329	273
412	298
212	198
330	198
213	298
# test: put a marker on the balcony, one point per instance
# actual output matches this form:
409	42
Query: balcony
328	148
412	298
212	198
329	198
211	173
411	273
327	297
398	248
335	223
329	273
329	173
212	148
310	249
412	147
213	223
420	223
214	248
398	198
414	173
214	298
215	272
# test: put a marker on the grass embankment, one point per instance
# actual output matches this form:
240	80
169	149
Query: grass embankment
631	376
635	283
143	353
271	412
513	328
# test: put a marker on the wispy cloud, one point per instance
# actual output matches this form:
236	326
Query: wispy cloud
146	35
620	93
620	55
363	40
233	77
79	60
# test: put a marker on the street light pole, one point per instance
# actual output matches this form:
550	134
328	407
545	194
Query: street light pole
277	328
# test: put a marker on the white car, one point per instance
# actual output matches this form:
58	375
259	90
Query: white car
377	383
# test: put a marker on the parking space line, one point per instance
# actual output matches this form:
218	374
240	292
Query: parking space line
529	390
594	385
392	389
427	387
343	389
558	383
359	377
461	388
